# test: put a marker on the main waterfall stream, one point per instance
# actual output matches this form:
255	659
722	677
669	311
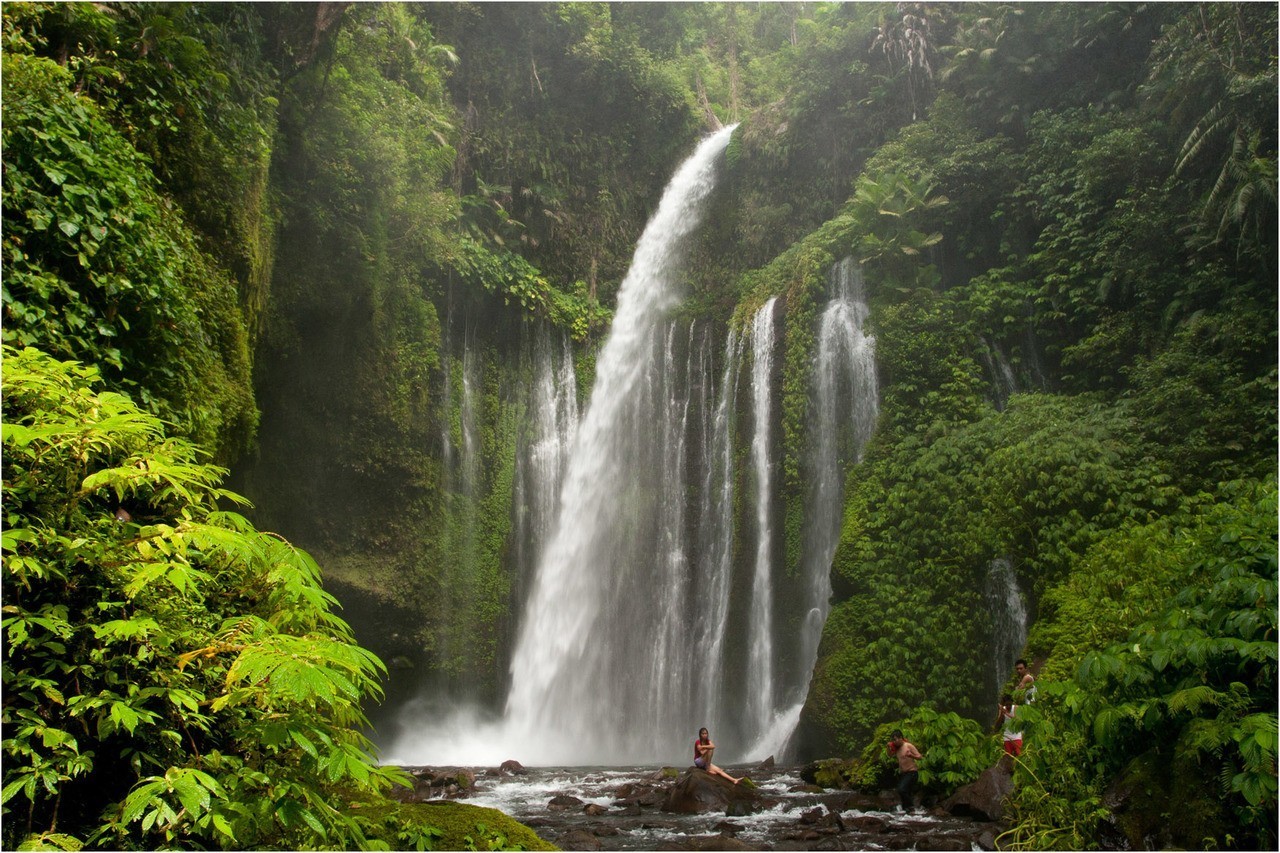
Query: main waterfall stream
651	607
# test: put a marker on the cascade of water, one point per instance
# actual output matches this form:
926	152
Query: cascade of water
1008	619
673	581
469	464
574	696
460	478
760	686
710	602
1003	383
844	408
844	405
551	424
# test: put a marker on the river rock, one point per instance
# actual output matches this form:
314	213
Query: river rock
430	783
984	798
560	802
515	768
698	791
594	809
867	823
828	773
860	803
578	839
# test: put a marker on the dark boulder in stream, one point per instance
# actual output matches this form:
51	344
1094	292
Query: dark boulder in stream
984	798
698	791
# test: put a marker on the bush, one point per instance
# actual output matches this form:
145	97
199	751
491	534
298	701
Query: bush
172	676
955	750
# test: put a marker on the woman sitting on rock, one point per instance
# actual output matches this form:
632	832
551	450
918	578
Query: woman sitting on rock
703	749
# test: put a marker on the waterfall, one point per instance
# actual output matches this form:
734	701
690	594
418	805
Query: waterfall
1003	383
715	569
760	689
460	481
1007	612
593	611
843	407
551	423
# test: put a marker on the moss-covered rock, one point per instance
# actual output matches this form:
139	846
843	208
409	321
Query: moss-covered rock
457	826
831	772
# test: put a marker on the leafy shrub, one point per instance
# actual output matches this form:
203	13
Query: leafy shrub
956	751
172	675
1187	699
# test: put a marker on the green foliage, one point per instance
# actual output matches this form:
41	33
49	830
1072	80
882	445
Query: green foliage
172	675
572	127
351	352
956	751
886	208
1187	695
1037	485
101	268
515	279
187	85
1218	67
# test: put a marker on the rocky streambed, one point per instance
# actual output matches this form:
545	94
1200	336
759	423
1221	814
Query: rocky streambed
652	808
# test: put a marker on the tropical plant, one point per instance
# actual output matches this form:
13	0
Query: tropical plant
172	675
956	750
888	209
1180	708
1213	64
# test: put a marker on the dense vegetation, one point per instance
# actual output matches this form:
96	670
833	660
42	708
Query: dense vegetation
281	237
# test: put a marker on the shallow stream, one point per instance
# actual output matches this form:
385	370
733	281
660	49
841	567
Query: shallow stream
794	816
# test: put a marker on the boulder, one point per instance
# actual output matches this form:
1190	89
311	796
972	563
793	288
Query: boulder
861	803
431	783
867	823
697	792
944	842
829	773
578	839
515	768
560	802
984	798
594	809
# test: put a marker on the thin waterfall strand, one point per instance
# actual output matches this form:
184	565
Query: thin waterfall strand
760	698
